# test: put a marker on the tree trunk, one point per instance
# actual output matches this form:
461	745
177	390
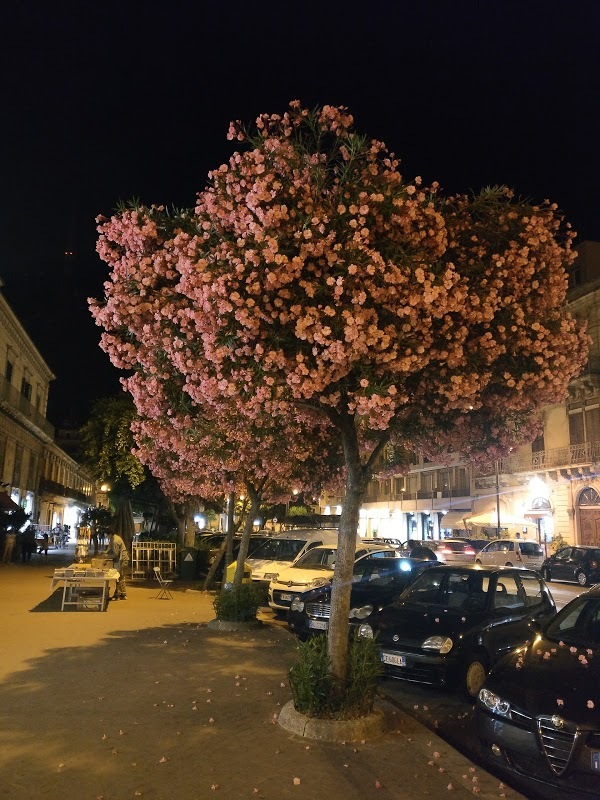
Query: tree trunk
253	512
357	479
229	536
189	536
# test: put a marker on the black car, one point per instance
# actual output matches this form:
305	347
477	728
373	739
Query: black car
454	622
538	713
375	583
580	564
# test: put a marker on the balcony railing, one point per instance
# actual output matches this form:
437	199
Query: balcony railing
557	458
10	395
52	487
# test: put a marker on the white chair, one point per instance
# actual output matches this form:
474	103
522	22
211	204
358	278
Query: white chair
164	593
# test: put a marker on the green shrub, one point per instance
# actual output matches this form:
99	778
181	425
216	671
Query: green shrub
317	693
238	604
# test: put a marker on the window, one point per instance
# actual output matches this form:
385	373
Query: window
507	593
530	549
9	370
563	555
589	497
537	446
532	589
584	424
26	389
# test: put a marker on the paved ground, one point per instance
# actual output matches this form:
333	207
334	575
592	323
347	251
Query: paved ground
145	701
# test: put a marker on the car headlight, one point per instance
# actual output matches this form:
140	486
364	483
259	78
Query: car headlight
494	703
297	604
405	566
443	644
365	630
316	582
360	613
270	576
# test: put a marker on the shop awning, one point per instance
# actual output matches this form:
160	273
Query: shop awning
6	504
455	519
490	520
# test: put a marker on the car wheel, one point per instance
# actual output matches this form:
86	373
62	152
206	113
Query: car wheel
474	675
508	564
546	575
582	578
478	561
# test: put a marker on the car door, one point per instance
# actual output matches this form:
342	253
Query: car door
510	619
561	567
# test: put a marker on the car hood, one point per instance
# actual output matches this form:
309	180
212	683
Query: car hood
261	567
547	677
297	576
409	624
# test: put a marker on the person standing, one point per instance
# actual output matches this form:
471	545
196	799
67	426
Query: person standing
117	550
9	546
44	544
28	544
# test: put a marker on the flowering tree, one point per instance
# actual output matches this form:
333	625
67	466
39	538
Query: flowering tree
317	277
195	449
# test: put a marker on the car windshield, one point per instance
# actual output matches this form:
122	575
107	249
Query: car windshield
317	558
578	623
279	550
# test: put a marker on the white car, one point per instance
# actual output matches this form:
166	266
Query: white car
314	569
512	553
280	551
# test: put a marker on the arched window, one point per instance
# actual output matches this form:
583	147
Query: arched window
589	497
540	503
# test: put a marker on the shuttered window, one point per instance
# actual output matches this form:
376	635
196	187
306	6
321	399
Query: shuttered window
576	429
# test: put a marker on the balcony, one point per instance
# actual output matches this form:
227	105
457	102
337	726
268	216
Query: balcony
18	405
52	487
559	458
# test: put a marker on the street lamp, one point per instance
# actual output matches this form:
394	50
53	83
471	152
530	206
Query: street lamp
295	492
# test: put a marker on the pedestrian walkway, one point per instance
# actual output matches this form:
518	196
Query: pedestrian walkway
144	700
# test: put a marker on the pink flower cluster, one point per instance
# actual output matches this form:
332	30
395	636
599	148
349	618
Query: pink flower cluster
312	276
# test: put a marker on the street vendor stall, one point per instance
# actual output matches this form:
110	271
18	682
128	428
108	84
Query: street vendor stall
84	586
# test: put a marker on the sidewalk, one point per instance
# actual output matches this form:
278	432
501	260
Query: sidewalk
145	701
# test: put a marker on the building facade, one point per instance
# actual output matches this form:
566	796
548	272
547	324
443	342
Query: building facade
37	474
547	490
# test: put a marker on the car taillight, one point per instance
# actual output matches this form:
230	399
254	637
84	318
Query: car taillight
468	551
445	550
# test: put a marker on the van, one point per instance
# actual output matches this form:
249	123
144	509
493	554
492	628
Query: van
511	553
281	550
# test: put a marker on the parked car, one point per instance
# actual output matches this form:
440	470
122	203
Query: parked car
454	622
280	551
538	713
375	583
478	544
315	569
511	553
580	564
453	551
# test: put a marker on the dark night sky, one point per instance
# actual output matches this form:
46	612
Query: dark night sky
104	102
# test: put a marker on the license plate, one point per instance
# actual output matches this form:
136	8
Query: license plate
596	760
285	596
318	624
392	658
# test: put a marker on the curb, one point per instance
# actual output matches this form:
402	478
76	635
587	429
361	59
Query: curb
331	730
